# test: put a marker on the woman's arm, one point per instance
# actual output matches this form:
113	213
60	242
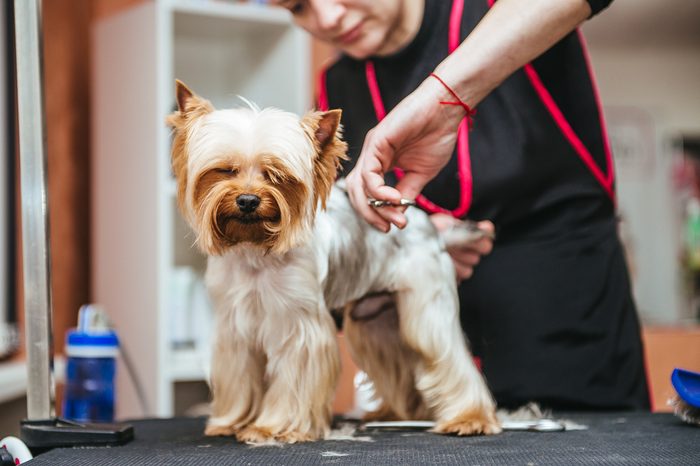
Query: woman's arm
419	134
512	33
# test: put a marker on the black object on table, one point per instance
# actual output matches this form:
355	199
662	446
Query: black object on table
611	438
45	434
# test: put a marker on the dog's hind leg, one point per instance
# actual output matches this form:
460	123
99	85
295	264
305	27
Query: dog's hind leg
236	384
371	328
446	376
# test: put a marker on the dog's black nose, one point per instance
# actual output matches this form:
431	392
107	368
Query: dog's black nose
248	203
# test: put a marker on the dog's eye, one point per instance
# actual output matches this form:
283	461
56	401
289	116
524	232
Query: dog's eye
227	171
271	176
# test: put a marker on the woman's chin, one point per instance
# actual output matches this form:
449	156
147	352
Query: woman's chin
362	48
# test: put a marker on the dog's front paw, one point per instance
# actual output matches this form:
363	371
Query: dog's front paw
263	435
295	437
473	422
255	434
214	430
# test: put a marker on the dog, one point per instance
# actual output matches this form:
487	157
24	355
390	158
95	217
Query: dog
284	247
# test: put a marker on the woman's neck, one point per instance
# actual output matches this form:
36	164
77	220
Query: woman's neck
406	27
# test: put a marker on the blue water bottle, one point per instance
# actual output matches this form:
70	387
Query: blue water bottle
92	349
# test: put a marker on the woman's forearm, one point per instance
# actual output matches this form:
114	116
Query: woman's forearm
510	35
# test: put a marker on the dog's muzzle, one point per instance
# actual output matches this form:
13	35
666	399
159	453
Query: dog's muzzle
247	203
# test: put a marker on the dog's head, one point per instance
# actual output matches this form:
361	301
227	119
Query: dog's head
249	175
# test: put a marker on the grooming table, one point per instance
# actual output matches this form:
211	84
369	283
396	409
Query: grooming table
611	438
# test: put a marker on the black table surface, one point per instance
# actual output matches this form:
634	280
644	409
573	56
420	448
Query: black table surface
611	438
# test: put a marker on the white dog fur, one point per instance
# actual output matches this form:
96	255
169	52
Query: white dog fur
275	273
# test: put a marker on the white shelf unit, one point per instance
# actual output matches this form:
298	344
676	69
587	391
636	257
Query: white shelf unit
13	380
13	377
220	49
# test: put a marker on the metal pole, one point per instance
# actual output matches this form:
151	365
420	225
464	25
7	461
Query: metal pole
35	238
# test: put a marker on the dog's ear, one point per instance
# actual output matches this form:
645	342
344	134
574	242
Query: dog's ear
189	106
324	130
184	95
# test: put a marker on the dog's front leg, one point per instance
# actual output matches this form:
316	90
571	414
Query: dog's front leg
236	383
302	370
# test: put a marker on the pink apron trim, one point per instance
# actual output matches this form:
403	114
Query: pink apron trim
566	128
605	180
322	91
463	156
374	92
603	125
453	39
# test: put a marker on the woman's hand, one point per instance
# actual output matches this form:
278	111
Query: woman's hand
418	136
465	257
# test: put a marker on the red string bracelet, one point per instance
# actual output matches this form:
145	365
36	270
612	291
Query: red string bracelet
467	108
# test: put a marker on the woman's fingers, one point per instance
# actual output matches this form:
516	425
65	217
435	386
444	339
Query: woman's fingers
411	185
467	257
366	181
358	199
463	271
372	167
464	263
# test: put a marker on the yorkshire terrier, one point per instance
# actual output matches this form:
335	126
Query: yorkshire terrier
285	247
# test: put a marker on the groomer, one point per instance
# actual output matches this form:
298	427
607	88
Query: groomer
489	111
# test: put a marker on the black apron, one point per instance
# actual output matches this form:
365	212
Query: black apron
549	311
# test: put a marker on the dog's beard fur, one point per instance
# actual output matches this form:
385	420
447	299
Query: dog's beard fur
273	272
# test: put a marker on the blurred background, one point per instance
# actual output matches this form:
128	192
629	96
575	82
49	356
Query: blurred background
116	236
